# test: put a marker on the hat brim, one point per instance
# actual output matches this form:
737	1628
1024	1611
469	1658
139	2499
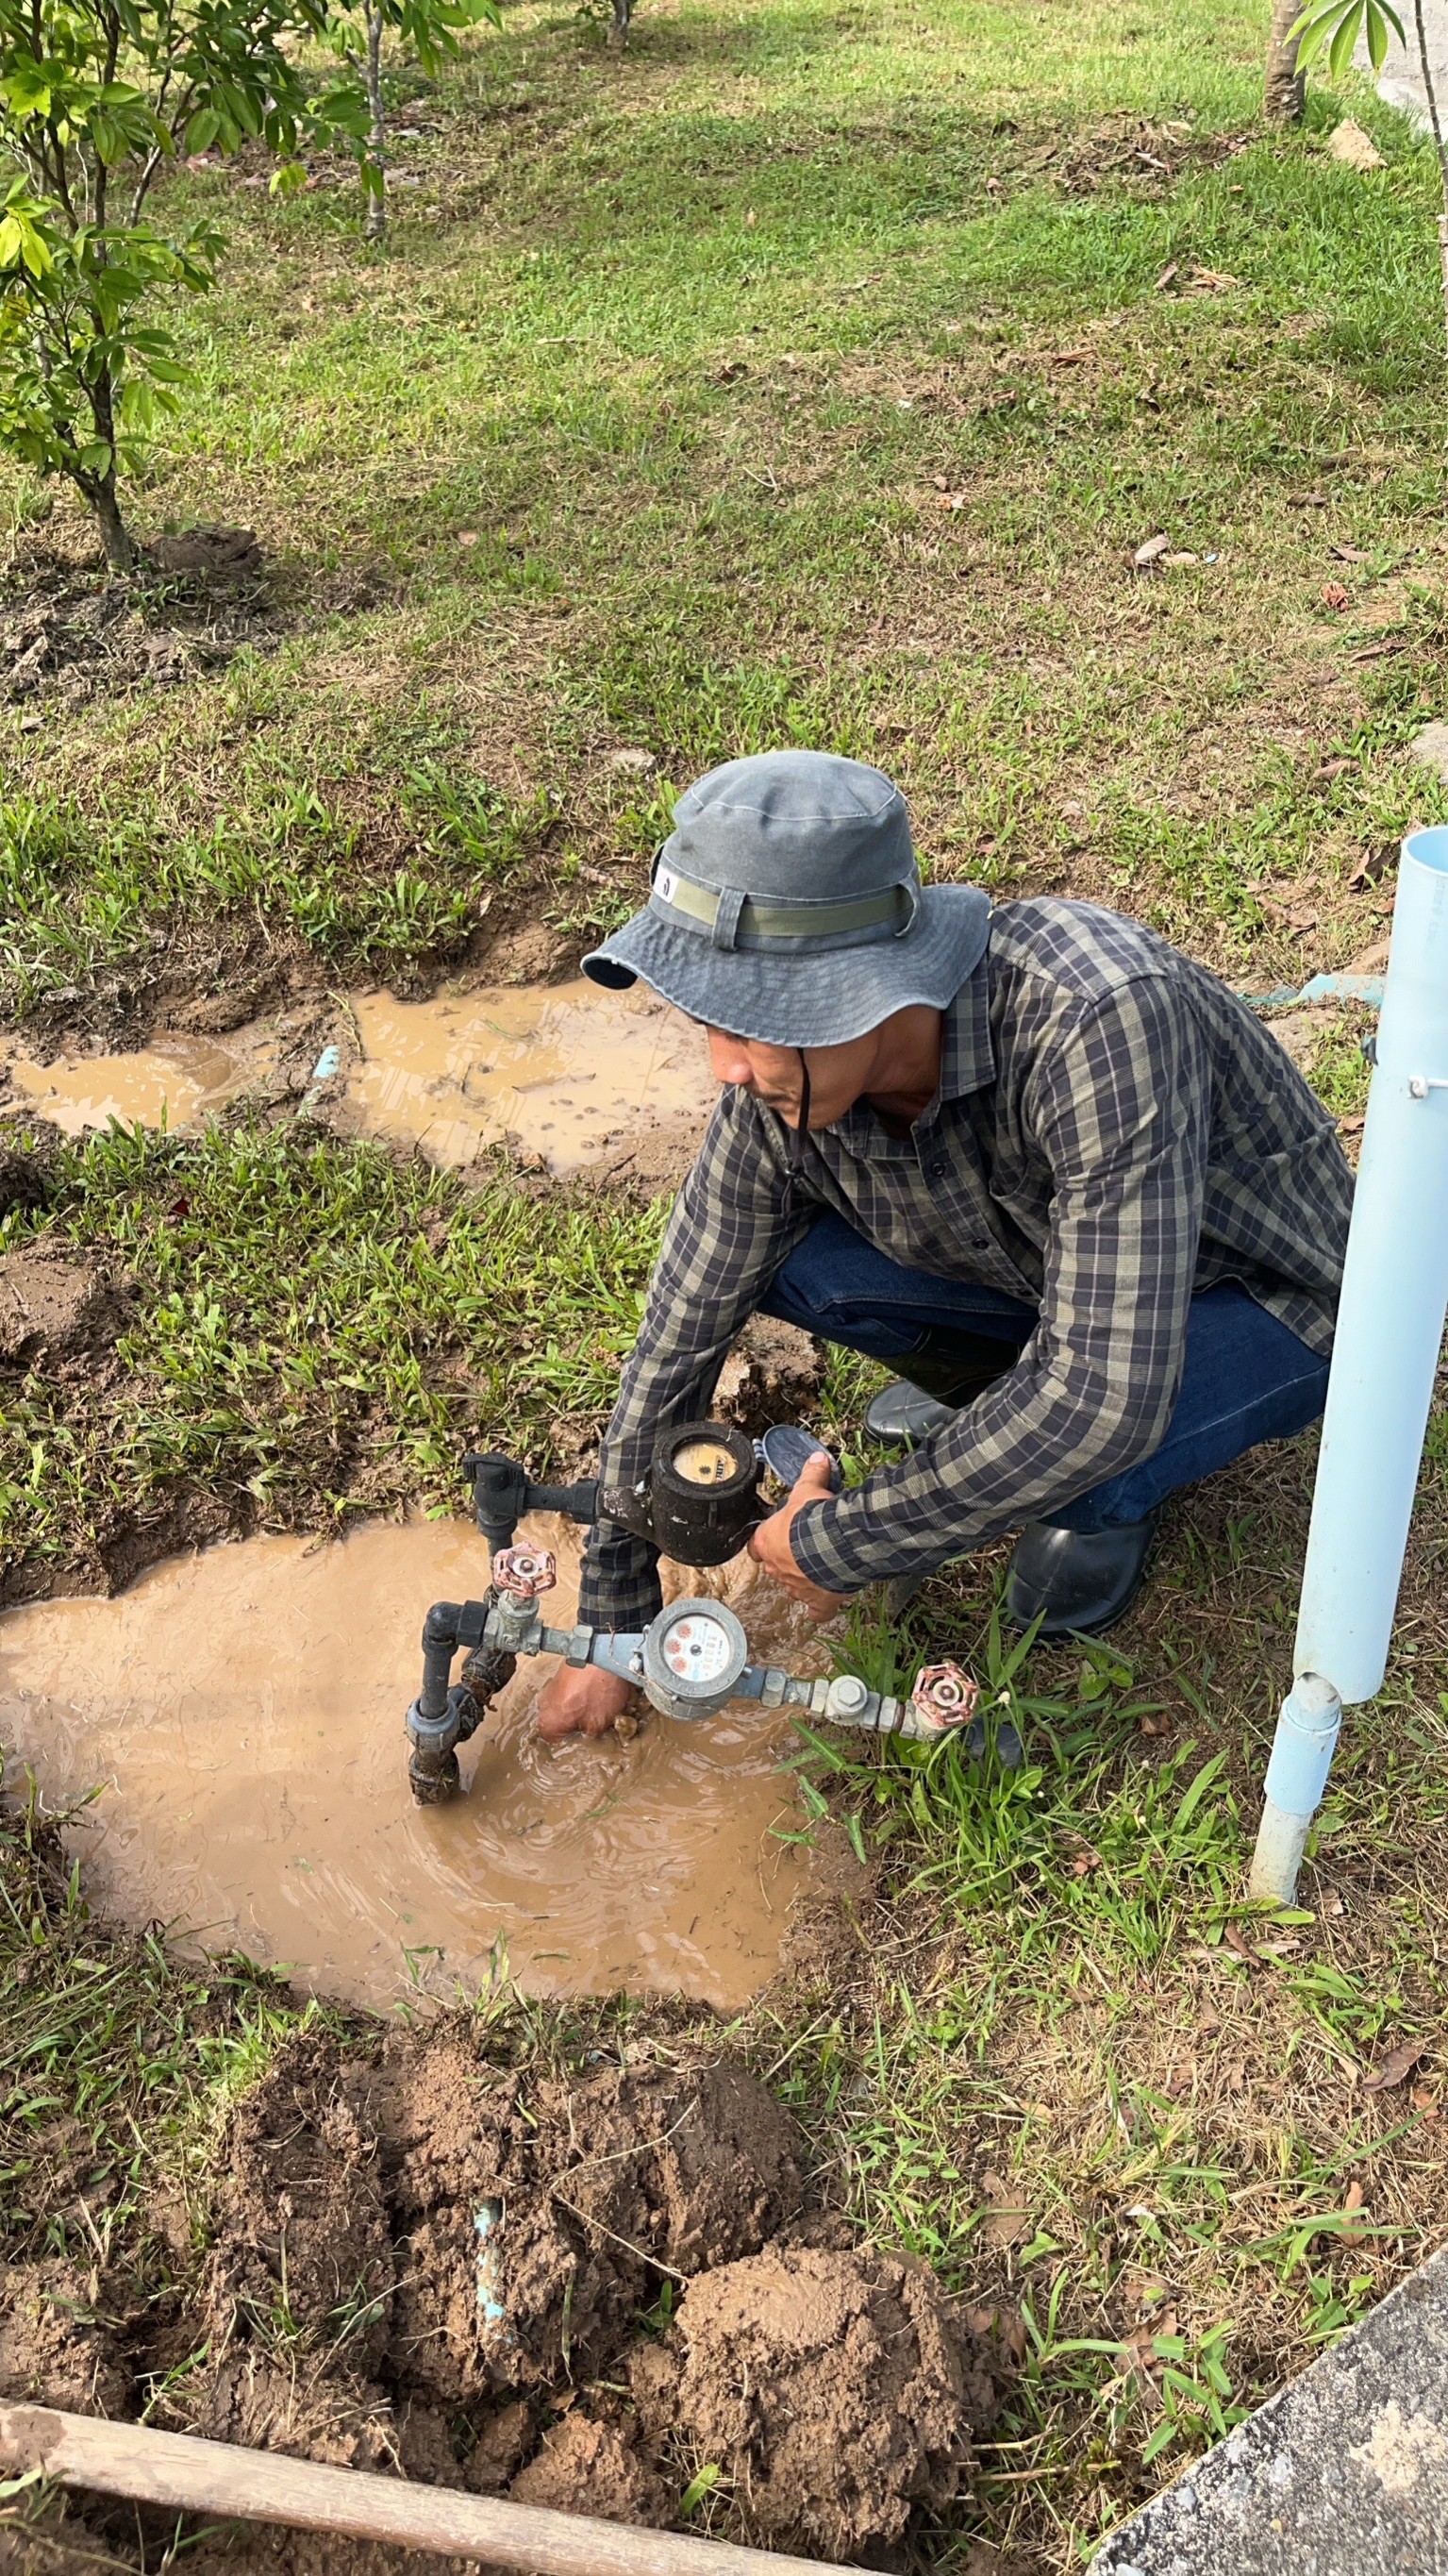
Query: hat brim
822	998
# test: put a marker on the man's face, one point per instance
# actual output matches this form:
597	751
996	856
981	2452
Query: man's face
838	1075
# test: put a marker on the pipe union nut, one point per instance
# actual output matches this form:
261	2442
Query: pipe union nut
523	1572
944	1696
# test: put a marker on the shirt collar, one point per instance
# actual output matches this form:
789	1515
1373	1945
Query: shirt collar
967	1051
967	1063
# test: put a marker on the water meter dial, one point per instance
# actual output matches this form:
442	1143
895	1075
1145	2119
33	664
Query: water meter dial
694	1657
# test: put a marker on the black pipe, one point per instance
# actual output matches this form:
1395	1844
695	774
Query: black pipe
439	1645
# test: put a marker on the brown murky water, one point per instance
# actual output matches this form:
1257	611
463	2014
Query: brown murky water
563	1069
243	1710
175	1083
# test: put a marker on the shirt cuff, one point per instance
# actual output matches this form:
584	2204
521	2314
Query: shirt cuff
810	1544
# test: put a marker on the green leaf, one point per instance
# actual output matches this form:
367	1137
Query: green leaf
1379	18
202	130
698	2487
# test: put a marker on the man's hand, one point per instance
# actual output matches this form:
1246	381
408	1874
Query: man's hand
582	1700
770	1545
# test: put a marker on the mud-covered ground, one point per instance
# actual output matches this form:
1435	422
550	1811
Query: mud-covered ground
590	2266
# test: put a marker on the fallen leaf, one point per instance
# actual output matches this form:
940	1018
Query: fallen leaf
1351	1127
1334	596
1426	2101
467	536
1289	916
1150	553
1330	769
1352	2203
953	500
1307	500
1171	270
1237	1941
1213	281
1156	1723
1350	554
1007	2221
1390	2070
1006	2323
750	220
1178	563
1332	1903
1071	357
1371	866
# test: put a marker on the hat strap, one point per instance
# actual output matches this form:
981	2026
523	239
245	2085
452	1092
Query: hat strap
728	915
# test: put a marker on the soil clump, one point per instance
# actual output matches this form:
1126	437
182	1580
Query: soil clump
59	1307
422	2259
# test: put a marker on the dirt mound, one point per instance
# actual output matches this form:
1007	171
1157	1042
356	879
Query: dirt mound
208	554
426	2212
536	2226
773	1374
53	2348
57	1306
836	2389
425	2261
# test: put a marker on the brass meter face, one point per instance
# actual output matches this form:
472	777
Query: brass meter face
704	1462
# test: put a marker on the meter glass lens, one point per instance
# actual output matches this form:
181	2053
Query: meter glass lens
697	1648
703	1462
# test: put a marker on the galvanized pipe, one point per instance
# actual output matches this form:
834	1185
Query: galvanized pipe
1389	1333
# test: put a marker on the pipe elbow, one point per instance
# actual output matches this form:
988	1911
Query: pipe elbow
440	1627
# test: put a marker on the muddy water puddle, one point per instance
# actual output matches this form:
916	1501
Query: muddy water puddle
178	1082
243	1711
565	1071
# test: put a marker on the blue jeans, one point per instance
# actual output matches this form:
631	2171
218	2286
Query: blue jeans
1247	1377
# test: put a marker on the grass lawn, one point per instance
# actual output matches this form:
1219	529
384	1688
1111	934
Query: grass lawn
809	375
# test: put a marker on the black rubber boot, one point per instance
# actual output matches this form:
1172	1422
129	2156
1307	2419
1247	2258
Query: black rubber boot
944	1371
1077	1582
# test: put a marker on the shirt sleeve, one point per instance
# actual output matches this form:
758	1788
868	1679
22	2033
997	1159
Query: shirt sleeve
731	1229
1118	1107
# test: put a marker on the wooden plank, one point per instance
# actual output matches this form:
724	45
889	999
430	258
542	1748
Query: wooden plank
264	2486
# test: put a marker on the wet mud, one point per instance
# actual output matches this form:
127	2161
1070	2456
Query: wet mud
422	2259
562	1072
242	1712
565	1073
178	1082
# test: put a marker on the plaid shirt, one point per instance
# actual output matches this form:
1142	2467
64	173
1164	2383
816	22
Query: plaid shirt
1113	1132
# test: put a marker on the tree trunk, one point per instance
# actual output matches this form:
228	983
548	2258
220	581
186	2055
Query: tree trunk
120	553
376	224
618	25
1286	89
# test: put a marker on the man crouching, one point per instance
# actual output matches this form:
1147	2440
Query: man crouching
1030	1154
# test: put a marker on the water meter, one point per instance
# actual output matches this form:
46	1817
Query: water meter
693	1658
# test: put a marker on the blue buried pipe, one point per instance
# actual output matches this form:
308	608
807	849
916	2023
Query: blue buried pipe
1389	1331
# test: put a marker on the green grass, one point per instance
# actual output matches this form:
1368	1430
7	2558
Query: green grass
314	1331
638	430
728	395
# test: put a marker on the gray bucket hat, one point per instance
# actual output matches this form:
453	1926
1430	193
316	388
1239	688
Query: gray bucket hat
787	906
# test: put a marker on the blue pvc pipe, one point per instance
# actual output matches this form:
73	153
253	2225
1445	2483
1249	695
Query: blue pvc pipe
1389	1333
1394	1297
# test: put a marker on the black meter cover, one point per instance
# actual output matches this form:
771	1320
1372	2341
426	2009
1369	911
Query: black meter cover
703	1492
